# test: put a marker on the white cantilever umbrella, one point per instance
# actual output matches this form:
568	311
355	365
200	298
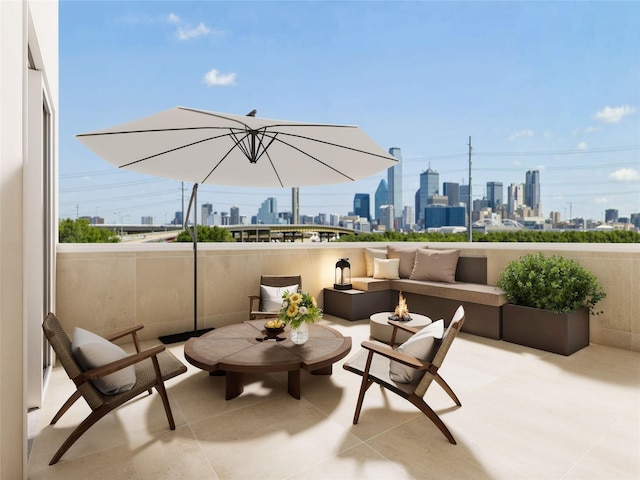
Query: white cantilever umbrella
238	150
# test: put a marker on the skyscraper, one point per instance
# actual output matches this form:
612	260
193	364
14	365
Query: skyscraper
268	212
362	205
205	219
386	216
234	218
611	215
495	195
394	182
380	197
464	195
429	181
532	189
452	192
515	198
408	216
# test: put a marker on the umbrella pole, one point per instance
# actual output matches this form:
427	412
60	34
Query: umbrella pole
194	237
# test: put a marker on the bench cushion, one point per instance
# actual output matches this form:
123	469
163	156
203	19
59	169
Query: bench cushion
369	284
464	292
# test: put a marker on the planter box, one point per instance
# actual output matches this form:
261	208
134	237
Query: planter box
563	333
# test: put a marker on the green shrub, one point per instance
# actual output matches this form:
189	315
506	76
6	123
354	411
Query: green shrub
552	283
79	231
207	233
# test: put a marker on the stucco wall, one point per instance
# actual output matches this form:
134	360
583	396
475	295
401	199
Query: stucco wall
107	287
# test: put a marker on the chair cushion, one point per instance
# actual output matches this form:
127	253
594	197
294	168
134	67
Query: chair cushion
435	265
93	351
369	255
386	268
421	345
271	297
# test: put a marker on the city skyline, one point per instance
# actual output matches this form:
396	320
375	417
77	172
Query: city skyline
553	88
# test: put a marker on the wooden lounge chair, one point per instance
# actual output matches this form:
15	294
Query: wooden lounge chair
152	367
373	362
273	281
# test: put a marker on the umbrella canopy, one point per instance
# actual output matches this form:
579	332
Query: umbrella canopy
237	150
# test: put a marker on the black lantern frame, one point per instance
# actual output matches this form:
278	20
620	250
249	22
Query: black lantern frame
343	275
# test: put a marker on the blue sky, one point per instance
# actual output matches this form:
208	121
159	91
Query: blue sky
537	85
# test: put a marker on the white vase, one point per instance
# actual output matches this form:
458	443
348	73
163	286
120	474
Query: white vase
301	334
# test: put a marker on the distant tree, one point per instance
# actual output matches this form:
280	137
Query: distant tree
571	236
207	234
79	231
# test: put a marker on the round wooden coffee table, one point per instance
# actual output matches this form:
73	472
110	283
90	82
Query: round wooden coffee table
242	348
381	330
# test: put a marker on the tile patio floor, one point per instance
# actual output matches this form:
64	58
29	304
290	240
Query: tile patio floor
525	414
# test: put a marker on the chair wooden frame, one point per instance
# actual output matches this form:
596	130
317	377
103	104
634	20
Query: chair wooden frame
153	366
376	353
271	281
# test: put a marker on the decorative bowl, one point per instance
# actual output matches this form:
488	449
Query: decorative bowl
273	331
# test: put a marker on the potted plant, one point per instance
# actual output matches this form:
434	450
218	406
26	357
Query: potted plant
550	299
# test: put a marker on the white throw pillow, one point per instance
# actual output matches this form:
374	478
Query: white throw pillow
386	268
369	255
271	297
93	351
421	345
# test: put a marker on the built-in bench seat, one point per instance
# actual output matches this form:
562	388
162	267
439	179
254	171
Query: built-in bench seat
482	302
464	292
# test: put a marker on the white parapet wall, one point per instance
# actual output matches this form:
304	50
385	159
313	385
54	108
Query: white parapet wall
107	287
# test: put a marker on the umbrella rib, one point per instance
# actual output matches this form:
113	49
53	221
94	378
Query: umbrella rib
152	130
386	157
218	164
174	149
311	156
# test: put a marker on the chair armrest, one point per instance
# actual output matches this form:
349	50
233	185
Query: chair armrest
400	326
124	333
112	367
403	326
401	357
252	301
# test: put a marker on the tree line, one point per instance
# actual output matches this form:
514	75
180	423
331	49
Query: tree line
80	231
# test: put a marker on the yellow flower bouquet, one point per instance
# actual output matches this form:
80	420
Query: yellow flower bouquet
298	308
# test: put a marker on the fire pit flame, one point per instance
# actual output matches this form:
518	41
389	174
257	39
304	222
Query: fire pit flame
402	311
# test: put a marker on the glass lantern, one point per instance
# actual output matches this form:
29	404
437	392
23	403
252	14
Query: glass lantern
343	275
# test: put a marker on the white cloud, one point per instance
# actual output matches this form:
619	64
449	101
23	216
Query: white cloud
601	200
517	163
625	175
520	134
214	78
582	146
614	114
173	18
591	129
187	33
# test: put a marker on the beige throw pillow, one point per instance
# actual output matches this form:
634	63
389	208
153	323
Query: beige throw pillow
369	255
422	345
407	256
93	351
386	268
436	265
